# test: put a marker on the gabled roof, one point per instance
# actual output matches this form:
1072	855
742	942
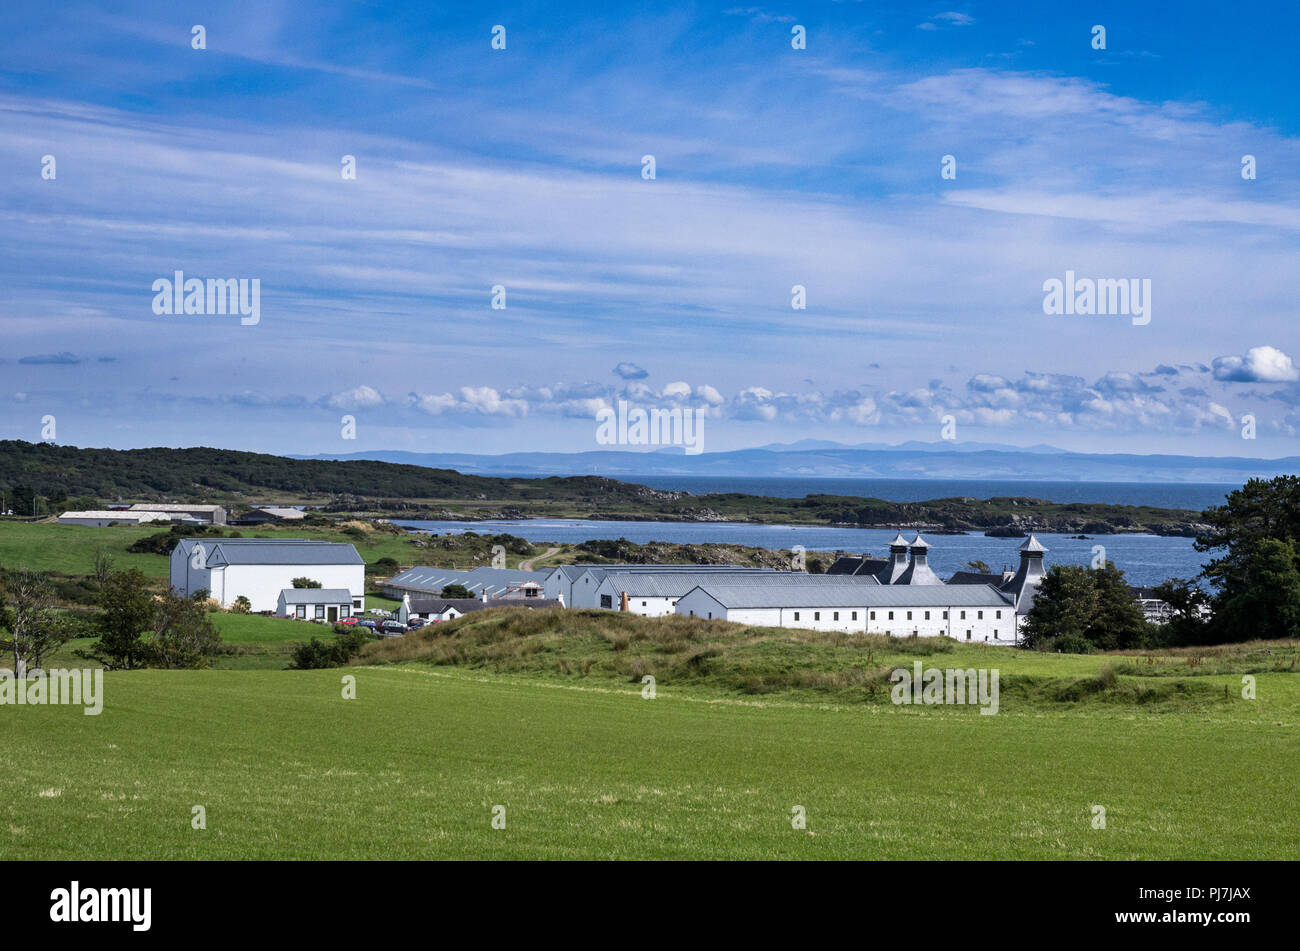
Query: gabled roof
270	551
852	596
482	578
172	507
857	565
674	584
316	596
975	577
424	606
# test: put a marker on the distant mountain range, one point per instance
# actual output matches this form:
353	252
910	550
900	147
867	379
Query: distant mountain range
820	459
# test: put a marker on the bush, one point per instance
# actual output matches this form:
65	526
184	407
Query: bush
317	654
1068	644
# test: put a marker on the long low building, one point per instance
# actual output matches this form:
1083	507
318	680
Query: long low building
118	517
583	589
495	582
656	593
210	514
965	612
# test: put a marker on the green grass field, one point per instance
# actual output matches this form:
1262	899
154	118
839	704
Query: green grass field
412	768
541	712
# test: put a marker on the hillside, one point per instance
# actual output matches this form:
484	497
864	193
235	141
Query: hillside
385	489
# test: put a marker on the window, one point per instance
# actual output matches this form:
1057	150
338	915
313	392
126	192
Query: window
300	611
606	601
891	615
356	604
995	633
855	615
945	615
320	611
999	617
963	615
979	615
927	615
817	615
909	615
836	616
796	615
642	604
968	635
873	615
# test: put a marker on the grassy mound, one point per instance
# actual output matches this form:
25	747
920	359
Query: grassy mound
693	653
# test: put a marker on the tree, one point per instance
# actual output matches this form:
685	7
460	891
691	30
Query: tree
103	567
1063	606
183	635
1075	606
1255	536
1117	621
982	567
34	625
305	583
1267	605
1188	606
128	613
457	591
242	606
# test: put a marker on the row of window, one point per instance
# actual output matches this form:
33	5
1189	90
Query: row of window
979	615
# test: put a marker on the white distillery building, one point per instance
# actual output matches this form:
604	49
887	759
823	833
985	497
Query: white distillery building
656	593
261	568
582	589
909	599
963	612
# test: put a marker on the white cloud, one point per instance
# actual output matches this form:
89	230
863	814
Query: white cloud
1259	365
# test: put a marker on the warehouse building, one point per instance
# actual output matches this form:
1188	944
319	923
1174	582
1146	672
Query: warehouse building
260	569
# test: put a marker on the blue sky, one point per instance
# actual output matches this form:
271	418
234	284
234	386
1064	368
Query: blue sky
774	167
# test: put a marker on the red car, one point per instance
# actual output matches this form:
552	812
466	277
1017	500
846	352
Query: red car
348	620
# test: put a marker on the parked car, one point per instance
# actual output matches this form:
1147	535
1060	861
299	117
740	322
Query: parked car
380	612
415	623
393	628
349	620
366	622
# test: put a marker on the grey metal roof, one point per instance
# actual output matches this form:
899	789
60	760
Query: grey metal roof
853	596
316	595
482	578
674	584
975	577
858	565
920	542
275	552
899	541
1032	544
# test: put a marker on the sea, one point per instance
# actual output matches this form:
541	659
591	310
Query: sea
1145	559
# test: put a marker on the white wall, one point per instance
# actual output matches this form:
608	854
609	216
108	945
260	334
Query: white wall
584	592
262	584
981	630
